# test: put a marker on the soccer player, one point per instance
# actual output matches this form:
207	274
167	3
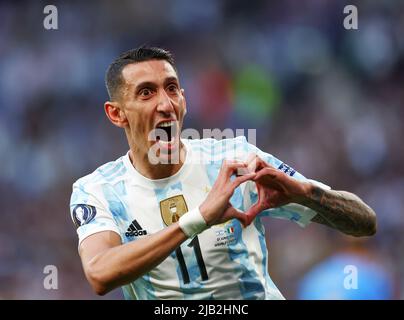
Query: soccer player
188	226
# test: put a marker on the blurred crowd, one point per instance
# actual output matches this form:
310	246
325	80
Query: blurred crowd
326	100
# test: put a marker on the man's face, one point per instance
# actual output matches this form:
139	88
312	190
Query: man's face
154	105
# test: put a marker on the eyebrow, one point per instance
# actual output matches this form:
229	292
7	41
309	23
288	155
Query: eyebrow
171	79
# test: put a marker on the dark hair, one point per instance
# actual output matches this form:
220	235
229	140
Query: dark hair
113	76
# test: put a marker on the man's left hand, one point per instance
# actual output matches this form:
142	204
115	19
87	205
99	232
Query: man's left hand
275	188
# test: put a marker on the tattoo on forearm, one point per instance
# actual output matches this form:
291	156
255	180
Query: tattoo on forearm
343	211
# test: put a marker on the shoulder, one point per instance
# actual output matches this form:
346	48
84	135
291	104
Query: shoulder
216	142
224	147
108	173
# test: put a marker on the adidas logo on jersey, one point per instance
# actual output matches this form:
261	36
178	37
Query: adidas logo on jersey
135	230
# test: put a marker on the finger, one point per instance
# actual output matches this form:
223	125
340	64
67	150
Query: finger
251	213
234	213
225	169
243	219
255	163
244	170
269	172
252	162
229	162
239	180
231	167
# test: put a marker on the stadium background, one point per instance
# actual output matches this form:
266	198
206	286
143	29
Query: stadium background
325	100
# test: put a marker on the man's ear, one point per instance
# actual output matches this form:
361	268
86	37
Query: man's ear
115	114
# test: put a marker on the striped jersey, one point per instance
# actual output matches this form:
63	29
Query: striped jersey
225	261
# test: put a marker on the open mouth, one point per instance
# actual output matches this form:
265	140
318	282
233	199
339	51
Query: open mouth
166	131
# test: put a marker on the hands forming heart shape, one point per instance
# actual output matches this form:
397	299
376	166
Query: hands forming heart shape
274	187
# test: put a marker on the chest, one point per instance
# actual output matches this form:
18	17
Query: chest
147	210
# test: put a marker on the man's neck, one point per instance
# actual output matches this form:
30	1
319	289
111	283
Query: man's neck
156	171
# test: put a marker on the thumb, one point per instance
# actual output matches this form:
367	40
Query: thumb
233	213
252	213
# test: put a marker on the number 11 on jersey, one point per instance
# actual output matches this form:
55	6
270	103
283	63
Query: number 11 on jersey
201	264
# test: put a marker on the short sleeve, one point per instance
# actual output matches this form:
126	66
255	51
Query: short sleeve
294	212
88	213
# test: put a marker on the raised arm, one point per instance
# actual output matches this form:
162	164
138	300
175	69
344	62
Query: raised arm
340	210
109	264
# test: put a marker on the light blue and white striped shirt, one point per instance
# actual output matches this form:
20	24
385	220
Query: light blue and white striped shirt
225	261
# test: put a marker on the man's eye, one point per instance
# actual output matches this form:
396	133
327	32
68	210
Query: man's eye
172	88
145	92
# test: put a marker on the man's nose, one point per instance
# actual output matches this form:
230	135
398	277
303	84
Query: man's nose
164	103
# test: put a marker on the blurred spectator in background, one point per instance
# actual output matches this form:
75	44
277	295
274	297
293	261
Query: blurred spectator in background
352	273
312	89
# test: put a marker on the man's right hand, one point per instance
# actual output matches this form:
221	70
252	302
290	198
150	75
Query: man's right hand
216	208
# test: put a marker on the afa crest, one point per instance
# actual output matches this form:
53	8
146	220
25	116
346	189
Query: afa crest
172	209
